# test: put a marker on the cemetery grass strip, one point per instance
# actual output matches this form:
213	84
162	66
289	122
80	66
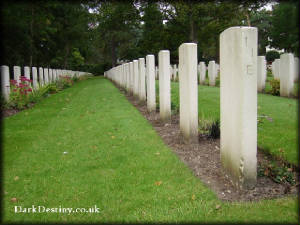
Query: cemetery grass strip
113	159
278	116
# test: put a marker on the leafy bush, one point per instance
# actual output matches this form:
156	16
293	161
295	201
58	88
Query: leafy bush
52	88
279	174
275	87
64	82
272	55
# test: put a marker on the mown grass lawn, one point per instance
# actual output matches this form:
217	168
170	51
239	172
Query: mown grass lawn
87	146
278	119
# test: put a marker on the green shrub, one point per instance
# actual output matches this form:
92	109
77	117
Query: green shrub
272	55
64	82
214	129
52	88
275	87
75	78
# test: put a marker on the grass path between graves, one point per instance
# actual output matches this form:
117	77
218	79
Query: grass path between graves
115	160
278	119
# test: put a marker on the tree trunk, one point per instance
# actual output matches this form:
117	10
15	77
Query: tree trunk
31	35
248	18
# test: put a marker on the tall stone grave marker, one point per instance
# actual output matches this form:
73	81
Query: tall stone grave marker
164	85
238	100
188	92
150	75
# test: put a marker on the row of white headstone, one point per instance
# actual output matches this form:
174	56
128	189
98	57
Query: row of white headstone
238	96
213	71
43	77
286	69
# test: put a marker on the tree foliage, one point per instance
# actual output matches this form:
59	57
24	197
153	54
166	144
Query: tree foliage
284	32
98	34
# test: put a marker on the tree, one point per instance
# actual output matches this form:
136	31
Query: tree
262	20
118	25
284	32
272	55
152	37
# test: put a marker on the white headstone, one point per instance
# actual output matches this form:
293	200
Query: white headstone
34	78
156	72
41	76
277	69
164	85
136	77
212	73
5	85
50	75
17	73
142	80
27	72
296	63
261	73
131	77
150	73
188	92
127	77
202	72
174	72
238	98
46	76
54	75
287	69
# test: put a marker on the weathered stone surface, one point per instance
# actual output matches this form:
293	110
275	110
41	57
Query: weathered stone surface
27	72
150	77
50	75
261	73
136	77
142	80
46	76
287	70
238	98
41	76
277	69
127	77
212	73
296	74
131	77
35	83
164	85
202	71
17	73
174	72
188	92
5	85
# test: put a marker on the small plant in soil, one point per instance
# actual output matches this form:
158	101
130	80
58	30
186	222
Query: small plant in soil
214	129
279	174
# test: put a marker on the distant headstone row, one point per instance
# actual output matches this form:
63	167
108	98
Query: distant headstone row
238	95
286	69
39	78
